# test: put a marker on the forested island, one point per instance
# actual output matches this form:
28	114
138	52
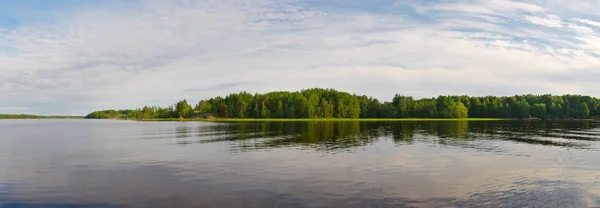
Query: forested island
329	103
25	116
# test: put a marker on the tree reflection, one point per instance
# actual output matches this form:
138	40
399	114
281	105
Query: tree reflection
182	131
346	135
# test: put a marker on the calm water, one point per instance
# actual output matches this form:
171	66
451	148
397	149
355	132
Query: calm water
82	163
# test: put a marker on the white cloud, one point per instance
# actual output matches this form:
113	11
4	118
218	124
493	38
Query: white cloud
589	22
487	7
580	29
549	21
158	52
555	22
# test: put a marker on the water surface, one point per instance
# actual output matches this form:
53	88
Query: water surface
105	163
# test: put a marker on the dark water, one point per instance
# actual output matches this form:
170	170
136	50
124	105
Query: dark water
81	163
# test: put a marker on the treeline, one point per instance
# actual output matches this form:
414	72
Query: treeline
330	103
25	116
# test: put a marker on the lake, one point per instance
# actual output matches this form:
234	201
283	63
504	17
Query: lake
108	163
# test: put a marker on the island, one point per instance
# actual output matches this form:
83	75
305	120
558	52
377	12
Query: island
317	103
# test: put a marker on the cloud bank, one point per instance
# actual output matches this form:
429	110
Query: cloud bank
131	53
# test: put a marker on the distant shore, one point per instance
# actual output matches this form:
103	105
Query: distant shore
34	117
45	118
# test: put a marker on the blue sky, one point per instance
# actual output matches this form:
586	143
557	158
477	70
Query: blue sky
72	57
14	13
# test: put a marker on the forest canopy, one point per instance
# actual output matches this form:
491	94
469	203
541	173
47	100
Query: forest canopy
330	103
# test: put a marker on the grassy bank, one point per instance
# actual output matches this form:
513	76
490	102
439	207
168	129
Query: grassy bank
326	119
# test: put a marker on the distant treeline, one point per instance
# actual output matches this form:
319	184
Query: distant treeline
24	116
329	103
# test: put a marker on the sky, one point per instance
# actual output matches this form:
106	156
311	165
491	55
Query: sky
73	57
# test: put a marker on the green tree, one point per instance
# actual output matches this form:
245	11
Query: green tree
405	106
264	111
279	112
313	106
583	111
446	107
460	110
183	108
520	109
539	111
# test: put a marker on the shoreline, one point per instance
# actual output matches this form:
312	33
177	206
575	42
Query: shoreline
321	119
304	119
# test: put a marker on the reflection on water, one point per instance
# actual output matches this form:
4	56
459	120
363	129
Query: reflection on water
339	136
299	164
